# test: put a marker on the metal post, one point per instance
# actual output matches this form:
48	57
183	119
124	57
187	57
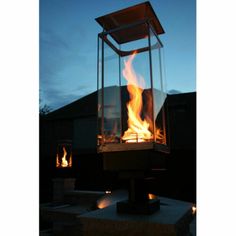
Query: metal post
163	111
102	125
98	93
120	98
151	78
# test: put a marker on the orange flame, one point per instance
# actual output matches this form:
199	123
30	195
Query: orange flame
138	129
70	161
64	162
58	163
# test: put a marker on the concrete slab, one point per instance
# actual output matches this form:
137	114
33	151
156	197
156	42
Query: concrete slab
172	219
64	213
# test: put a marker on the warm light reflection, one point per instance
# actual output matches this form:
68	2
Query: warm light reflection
70	161
57	162
104	202
111	198
159	135
151	196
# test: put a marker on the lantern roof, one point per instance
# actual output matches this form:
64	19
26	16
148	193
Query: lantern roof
127	17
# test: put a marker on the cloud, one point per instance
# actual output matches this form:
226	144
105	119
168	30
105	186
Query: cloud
51	39
63	64
56	97
56	55
173	91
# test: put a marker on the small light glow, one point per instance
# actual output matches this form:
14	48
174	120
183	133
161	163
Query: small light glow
194	209
104	202
151	196
107	192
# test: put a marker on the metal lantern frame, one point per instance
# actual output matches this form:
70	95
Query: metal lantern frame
115	36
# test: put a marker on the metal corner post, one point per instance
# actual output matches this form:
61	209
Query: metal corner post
102	125
151	79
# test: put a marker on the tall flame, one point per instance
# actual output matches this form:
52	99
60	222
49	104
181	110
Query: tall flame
64	162
138	129
64	159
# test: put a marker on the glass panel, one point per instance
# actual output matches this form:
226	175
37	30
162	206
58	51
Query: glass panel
131	94
135	45
99	91
111	93
136	94
159	93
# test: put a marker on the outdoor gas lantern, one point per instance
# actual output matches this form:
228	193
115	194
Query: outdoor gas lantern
132	125
131	96
64	154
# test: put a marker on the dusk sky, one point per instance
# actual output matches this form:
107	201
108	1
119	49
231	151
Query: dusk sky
68	46
68	37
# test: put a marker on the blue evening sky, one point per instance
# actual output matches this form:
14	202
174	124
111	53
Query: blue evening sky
68	45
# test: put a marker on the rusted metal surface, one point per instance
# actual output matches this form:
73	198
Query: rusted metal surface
128	16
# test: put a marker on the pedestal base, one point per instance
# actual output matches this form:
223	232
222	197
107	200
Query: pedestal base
146	208
173	219
62	186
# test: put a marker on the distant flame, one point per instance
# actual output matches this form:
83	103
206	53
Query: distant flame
64	162
137	128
